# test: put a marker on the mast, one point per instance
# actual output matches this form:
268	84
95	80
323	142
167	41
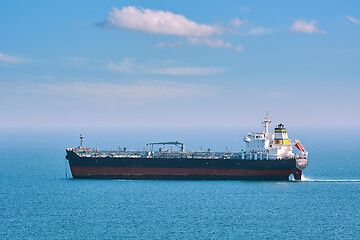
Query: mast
81	141
265	123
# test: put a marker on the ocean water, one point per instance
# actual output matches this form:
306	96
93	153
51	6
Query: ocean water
37	201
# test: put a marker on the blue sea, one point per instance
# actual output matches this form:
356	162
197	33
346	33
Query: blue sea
37	201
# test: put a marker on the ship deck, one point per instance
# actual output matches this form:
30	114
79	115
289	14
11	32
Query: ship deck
88	152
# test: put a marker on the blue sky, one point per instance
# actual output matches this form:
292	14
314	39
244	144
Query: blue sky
179	64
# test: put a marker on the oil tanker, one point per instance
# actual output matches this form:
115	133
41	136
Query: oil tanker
267	156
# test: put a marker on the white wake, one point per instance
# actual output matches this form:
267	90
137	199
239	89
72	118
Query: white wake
305	179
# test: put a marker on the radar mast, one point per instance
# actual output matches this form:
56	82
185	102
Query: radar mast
265	123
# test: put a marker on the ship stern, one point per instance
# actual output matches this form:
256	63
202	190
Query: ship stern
301	164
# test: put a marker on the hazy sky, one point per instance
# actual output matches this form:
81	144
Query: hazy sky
179	63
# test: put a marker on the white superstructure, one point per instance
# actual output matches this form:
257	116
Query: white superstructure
275	145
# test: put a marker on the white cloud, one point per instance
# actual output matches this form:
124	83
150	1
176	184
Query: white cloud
244	9
248	30
128	66
104	92
305	27
188	71
354	20
10	59
169	44
237	22
214	43
239	48
260	31
157	21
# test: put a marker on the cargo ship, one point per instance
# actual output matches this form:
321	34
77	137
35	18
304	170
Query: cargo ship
267	156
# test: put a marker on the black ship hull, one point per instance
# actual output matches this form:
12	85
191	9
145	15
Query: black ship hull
181	168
